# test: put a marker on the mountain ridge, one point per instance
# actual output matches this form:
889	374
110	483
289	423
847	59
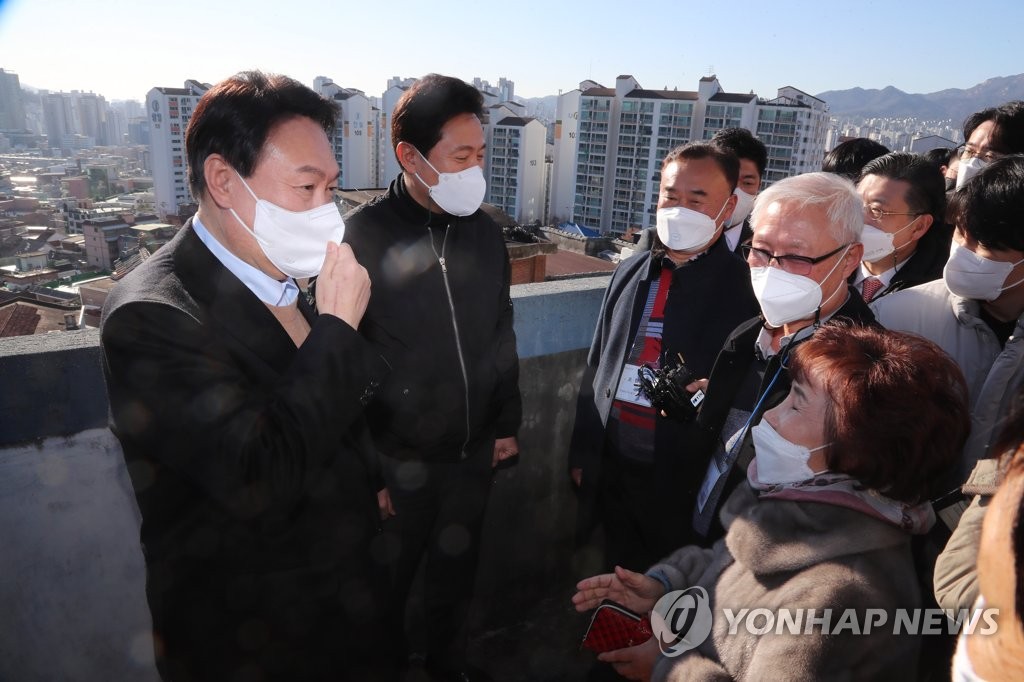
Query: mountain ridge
951	103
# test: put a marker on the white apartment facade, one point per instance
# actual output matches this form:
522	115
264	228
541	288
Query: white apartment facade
609	143
794	127
169	111
355	135
514	166
388	166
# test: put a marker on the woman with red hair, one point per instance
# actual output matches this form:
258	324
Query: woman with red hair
839	484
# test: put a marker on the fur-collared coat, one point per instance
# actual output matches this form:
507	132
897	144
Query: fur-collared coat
784	554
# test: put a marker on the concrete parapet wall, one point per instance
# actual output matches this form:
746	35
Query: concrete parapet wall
73	594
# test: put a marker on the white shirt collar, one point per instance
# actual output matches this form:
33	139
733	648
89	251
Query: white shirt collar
763	343
263	286
885	278
732	236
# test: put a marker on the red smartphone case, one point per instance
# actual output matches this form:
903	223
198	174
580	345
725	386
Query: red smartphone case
615	627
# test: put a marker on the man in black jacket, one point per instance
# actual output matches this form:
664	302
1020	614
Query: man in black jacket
806	244
680	299
753	156
237	406
442	316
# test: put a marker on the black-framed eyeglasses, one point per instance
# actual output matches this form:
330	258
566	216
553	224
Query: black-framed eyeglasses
797	265
988	155
879	214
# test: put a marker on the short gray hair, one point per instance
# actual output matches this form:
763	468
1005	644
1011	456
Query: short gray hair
837	195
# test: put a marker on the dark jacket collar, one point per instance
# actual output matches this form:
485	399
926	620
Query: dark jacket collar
411	211
659	260
229	304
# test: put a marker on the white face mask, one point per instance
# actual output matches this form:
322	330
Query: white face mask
744	204
968	169
779	460
457	193
294	242
972	276
785	297
683	229
878	243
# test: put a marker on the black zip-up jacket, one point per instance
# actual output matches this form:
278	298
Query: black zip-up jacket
441	315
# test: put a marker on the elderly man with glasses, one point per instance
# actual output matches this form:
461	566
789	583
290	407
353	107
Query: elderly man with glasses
805	246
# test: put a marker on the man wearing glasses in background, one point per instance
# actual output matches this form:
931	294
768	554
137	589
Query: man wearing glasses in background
990	134
906	241
805	246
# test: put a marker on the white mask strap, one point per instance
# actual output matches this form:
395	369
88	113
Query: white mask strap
719	214
817	313
246	185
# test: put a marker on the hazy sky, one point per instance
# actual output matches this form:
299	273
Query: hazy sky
122	48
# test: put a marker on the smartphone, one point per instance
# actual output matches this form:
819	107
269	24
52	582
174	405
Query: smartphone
613	626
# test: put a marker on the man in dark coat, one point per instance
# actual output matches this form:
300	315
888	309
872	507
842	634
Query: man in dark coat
905	237
237	406
679	299
442	315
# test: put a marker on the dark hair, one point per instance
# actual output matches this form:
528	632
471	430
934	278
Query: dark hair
1018	554
722	156
871	376
989	206
851	156
939	156
927	187
1009	447
1008	135
744	145
235	116
424	108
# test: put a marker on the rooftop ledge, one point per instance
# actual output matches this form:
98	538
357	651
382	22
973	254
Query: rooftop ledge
74	577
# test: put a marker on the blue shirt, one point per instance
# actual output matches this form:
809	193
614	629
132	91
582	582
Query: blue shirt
266	288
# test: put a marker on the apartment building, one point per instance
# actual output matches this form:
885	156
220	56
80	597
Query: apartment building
354	141
389	168
609	143
514	167
169	111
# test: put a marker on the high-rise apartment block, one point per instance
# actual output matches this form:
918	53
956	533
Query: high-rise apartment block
609	143
515	168
77	120
12	107
355	135
504	91
389	168
169	112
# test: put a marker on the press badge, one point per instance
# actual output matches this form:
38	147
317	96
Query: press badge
714	472
719	466
629	387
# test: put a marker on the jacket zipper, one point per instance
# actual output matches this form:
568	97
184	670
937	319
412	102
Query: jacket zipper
455	327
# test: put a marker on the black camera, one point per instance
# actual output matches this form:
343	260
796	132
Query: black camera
665	387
